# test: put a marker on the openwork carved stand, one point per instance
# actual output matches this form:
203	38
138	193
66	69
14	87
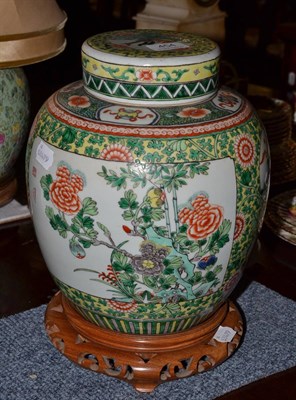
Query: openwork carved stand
8	189
143	361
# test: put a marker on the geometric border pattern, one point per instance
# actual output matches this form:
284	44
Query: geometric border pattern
129	90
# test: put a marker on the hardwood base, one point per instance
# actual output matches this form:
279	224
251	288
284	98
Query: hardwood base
8	190
143	361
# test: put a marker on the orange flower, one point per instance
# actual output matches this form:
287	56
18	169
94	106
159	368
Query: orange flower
203	219
117	152
145	75
79	101
193	112
63	173
63	191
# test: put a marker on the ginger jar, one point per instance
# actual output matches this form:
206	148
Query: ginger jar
147	182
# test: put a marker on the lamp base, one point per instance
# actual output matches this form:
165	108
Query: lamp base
8	188
143	361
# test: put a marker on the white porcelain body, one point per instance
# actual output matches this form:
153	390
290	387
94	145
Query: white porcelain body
146	214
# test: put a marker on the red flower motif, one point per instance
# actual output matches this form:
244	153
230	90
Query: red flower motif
193	112
239	226
63	191
145	75
245	150
203	219
79	101
117	152
121	306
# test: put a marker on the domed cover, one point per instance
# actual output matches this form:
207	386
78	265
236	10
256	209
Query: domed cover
154	66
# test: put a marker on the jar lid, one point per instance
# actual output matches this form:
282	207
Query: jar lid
143	66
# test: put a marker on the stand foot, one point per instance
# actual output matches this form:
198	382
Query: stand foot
143	361
8	189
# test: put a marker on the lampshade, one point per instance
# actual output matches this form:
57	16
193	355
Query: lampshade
30	31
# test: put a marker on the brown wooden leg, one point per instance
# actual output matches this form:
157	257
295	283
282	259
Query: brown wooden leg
143	361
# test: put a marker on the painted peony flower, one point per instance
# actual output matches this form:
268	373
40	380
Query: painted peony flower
117	152
203	219
151	260
79	101
193	112
63	191
64	197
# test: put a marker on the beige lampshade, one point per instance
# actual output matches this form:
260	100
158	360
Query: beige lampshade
30	31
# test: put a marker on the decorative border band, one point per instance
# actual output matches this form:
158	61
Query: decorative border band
149	92
155	74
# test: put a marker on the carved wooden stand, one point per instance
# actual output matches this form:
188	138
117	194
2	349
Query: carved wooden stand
143	361
8	189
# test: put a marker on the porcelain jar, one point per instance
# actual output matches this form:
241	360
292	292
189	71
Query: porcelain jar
14	126
147	182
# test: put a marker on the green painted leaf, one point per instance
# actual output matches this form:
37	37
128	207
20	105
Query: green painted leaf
197	277
85	243
87	222
126	280
129	200
45	183
168	270
104	229
49	212
183	228
128	215
146	295
78	219
166	281
89	206
60	225
123	203
161	230
91	233
68	136
218	269
74	229
150	281
174	262
200	168
202	242
156	214
210	276
246	178
119	259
